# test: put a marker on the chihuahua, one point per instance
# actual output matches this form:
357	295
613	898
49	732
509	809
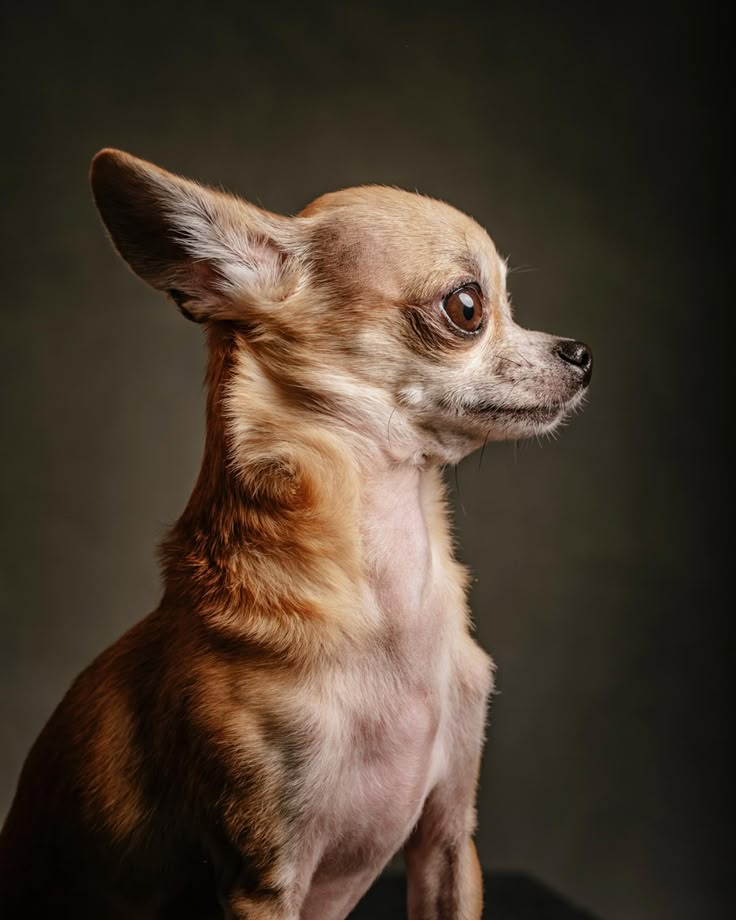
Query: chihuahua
307	700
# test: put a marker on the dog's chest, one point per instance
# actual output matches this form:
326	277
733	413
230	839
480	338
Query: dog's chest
383	747
387	725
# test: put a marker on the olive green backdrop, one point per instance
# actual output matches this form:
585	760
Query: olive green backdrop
584	139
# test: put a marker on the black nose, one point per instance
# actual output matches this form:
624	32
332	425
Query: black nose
578	354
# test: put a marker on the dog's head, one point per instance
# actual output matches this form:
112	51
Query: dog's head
383	309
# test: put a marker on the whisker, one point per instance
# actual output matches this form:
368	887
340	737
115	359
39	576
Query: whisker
507	359
482	450
457	489
521	269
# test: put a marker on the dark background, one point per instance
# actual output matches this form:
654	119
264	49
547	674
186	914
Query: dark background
585	140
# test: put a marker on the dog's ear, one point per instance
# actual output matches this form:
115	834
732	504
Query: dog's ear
214	254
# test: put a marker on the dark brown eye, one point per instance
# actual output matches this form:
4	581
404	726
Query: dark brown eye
464	308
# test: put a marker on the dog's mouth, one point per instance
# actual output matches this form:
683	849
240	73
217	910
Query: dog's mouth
539	414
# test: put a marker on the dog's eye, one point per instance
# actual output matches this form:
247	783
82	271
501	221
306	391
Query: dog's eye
464	308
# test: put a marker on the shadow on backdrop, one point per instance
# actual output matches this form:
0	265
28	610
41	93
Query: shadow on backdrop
507	897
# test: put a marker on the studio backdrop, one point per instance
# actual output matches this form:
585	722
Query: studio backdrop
584	141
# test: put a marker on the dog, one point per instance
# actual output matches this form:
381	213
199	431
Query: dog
307	700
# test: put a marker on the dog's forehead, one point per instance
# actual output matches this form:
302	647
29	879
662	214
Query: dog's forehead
400	244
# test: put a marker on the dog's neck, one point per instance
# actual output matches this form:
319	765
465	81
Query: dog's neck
396	540
296	498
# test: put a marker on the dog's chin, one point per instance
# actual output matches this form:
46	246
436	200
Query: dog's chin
458	432
498	422
501	423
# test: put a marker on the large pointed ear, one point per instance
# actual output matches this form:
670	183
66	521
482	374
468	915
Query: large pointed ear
213	253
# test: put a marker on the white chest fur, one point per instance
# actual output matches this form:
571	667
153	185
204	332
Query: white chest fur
388	716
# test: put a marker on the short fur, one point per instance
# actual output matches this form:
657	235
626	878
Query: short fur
307	700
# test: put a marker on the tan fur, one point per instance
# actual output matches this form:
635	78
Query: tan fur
307	699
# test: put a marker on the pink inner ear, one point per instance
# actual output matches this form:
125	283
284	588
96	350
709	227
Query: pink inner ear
205	277
202	280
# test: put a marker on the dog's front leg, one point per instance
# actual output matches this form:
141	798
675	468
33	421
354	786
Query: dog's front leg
260	907
251	893
444	875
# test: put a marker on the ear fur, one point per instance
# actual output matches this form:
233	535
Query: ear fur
210	251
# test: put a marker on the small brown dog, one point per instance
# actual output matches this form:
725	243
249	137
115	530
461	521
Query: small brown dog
307	700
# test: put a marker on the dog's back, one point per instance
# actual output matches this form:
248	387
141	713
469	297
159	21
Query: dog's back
100	825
